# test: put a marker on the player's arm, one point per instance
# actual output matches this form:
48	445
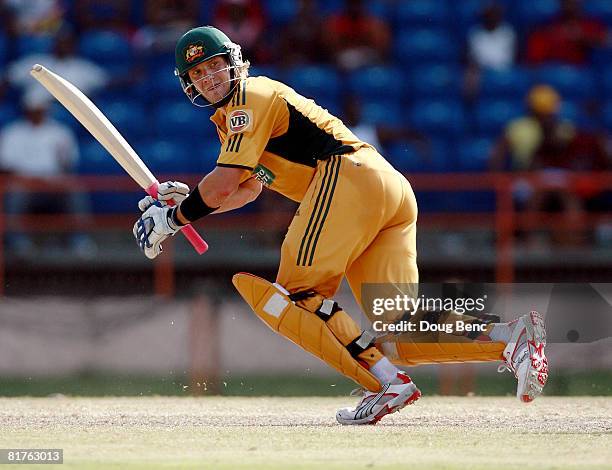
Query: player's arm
214	189
247	192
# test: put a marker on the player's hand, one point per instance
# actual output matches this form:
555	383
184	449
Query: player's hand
153	227
167	191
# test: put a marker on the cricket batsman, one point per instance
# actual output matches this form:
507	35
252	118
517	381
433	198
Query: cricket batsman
356	220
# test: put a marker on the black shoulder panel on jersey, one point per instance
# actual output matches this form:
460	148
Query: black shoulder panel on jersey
304	142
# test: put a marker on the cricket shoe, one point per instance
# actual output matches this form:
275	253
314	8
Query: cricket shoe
524	356
374	405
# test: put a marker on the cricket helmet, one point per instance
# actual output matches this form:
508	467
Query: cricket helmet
199	45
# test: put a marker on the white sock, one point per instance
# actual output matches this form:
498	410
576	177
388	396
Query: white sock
501	332
384	371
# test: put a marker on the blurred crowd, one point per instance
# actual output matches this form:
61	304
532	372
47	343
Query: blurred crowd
436	85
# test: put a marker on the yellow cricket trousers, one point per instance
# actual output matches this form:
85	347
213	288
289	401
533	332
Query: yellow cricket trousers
357	219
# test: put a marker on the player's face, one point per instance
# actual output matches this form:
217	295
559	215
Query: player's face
212	78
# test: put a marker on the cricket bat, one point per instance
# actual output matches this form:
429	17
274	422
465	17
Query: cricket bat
88	114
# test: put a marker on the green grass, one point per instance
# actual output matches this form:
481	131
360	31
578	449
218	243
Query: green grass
590	383
301	433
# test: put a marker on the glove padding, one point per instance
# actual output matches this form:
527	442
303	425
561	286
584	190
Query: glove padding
153	227
167	191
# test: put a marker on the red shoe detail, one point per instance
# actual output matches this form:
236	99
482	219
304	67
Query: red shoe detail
404	378
386	410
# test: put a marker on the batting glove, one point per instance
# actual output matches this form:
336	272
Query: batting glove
153	227
168	191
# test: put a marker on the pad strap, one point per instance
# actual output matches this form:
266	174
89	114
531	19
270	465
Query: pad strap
327	309
364	341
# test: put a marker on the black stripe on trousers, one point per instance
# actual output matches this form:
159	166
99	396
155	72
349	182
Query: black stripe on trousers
314	211
314	230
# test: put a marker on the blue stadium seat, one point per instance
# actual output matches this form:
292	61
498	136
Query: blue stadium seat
105	47
570	82
381	112
4	51
62	115
27	45
167	157
405	157
439	80
328	7
129	117
206	157
606	80
163	84
280	13
179	119
314	81
576	113
601	9
601	57
332	103
377	82
438	117
380	8
95	160
422	13
137	12
512	83
607	115
466	13
383	9
269	71
528	14
426	45
123	93
156	61
473	153
8	113
492	116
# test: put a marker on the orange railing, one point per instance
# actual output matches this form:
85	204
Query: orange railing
503	220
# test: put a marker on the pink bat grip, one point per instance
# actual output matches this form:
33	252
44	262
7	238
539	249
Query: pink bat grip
190	234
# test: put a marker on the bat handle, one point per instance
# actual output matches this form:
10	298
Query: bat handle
191	235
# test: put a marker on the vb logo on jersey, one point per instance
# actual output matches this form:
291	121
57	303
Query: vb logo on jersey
240	120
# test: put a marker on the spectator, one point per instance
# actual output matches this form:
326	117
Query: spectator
84	74
166	20
302	39
543	142
490	45
567	39
355	38
524	137
244	22
38	148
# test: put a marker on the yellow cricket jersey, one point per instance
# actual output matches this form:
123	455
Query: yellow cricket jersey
279	135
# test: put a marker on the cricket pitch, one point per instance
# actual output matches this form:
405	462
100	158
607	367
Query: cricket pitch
300	433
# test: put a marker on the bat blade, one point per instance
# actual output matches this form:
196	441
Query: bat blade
98	125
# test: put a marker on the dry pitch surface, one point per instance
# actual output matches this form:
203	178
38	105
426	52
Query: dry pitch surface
292	433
